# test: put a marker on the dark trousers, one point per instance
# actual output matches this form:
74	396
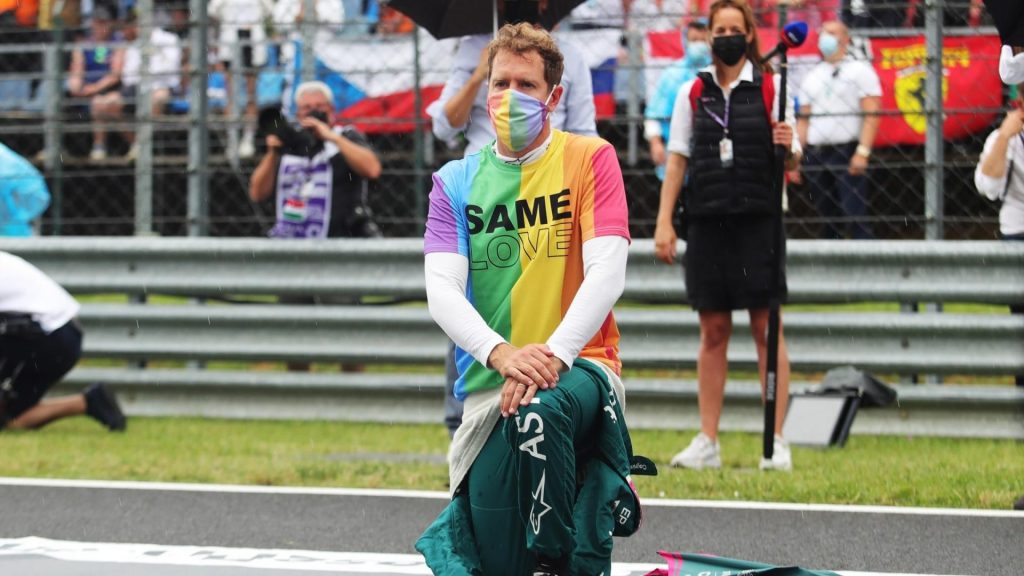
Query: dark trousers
840	197
1017	308
36	364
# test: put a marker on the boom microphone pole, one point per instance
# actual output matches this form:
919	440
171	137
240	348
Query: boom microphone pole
793	35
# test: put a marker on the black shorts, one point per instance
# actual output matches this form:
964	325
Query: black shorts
245	36
40	362
729	262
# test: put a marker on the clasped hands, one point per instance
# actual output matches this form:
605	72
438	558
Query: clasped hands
526	370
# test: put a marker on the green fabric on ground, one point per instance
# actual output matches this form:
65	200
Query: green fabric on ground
523	489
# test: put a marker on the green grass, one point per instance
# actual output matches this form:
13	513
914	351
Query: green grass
882	470
869	470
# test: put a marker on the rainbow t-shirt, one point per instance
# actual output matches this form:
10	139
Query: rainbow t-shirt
522	229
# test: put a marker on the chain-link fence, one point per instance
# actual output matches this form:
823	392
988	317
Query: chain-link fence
150	123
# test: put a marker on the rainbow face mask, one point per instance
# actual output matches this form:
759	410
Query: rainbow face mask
517	118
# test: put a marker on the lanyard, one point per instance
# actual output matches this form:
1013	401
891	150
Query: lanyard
723	123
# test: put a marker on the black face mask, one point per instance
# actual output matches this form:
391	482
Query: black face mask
729	49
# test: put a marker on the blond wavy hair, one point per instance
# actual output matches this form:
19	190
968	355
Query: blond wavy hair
522	39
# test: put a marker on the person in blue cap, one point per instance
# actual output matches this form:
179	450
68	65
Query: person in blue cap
696	56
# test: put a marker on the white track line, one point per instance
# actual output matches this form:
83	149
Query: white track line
260	558
368	492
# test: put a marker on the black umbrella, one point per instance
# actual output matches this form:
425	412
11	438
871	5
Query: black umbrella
454	18
1008	16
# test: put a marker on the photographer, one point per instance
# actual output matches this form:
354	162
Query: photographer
40	341
318	173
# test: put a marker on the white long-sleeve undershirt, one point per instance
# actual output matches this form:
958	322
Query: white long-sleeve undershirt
604	270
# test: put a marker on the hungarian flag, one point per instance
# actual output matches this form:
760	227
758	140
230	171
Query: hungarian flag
684	564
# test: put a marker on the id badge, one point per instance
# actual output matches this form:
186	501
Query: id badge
725	152
307	189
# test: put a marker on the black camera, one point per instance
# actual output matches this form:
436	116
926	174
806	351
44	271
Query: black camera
297	141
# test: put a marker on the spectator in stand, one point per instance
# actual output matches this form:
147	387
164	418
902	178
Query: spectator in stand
178	19
163	76
287	20
1000	177
838	121
658	15
875	13
40	341
19	13
724	131
813	12
696	56
241	24
95	74
461	111
178	24
765	13
594	14
18	25
361	17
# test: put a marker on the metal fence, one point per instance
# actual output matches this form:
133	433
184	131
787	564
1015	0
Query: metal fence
186	176
235	327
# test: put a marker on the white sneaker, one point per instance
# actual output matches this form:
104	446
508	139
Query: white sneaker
781	459
701	453
133	152
98	153
247	147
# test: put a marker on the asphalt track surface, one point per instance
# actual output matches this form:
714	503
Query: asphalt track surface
848	539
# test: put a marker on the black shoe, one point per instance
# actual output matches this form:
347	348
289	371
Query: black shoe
101	405
1019	504
550	567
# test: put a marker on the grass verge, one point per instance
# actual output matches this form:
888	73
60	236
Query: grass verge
883	470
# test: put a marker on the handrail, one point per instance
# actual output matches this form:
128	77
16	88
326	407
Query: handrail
818	271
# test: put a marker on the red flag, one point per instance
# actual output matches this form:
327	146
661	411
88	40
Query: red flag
970	83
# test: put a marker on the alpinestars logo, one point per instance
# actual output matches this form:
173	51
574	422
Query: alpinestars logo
538	504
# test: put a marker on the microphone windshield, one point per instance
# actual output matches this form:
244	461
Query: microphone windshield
794	34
